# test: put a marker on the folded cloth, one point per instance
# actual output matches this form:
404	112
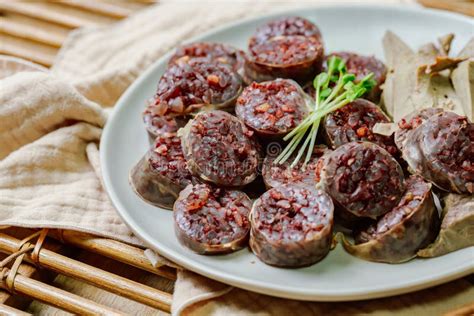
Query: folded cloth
51	123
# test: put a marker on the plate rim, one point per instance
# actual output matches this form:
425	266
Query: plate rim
242	282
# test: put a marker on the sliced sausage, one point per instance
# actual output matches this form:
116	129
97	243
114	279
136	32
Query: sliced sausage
362	178
291	226
286	26
162	173
278	174
272	108
220	149
197	84
409	123
214	52
210	220
355	122
361	66
441	150
398	235
157	125
288	47
294	57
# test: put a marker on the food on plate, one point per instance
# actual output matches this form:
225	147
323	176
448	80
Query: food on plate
214	52
355	122
457	227
162	173
210	220
272	108
400	233
291	225
441	150
157	125
285	48
220	149
278	174
208	132
361	66
196	84
362	178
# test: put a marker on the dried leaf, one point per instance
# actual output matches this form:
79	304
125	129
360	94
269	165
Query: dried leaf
457	227
385	129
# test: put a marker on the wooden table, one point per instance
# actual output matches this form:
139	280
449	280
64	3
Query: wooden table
35	30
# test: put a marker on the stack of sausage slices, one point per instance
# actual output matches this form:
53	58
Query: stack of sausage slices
216	125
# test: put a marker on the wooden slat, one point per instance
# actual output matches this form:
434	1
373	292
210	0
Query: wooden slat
55	13
30	50
115	250
467	310
59	298
105	280
460	6
10	311
104	8
17	28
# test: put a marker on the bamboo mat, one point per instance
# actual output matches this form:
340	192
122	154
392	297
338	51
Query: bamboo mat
62	272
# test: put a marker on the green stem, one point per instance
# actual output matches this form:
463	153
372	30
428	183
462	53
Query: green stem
302	148
292	148
311	145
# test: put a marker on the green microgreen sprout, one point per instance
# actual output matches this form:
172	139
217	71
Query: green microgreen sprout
334	89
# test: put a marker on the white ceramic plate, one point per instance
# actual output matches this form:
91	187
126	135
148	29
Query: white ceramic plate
339	276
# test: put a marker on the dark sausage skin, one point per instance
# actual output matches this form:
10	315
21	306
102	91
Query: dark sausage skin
355	122
285	48
278	174
157	125
162	173
397	236
211	220
362	178
361	66
272	108
214	52
441	150
197	84
291	226
220	149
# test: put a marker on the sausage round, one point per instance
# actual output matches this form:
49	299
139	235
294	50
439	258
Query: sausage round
162	173
272	108
397	236
410	122
291	226
362	178
220	149
355	122
441	150
197	84
361	66
278	174
214	52
157	125
285	48
210	220
286	26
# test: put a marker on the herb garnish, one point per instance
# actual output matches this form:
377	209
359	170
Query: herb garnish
329	97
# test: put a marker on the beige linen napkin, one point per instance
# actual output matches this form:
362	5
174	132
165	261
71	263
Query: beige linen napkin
51	123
